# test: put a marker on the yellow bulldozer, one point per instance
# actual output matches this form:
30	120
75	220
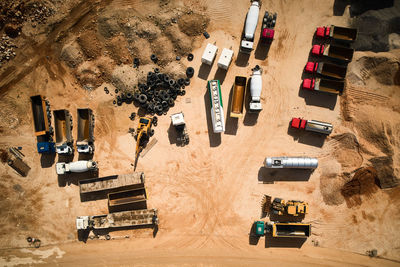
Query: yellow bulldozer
143	134
280	207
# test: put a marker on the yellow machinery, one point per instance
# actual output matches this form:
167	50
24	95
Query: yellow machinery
143	134
280	207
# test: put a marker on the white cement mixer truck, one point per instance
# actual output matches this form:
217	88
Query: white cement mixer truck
77	166
255	90
246	45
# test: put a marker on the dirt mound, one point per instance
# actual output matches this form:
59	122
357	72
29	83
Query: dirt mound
347	151
365	182
118	50
331	182
385	171
193	24
71	54
3	155
89	44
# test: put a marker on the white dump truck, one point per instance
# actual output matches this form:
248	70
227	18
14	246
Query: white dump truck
85	141
179	124
63	131
255	90
77	166
291	162
246	45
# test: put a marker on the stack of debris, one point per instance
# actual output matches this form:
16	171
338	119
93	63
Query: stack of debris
7	51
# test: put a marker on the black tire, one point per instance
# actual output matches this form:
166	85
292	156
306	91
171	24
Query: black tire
183	92
187	81
156	70
105	89
108	237
155	124
116	91
190	57
129	96
171	102
136	96
158	108
174	96
151	132
119	102
164	96
166	79
36	243
181	81
171	82
164	104
154	58
189	72
142	98
29	239
183	87
114	102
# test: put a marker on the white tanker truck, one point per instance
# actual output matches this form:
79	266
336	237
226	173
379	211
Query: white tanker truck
255	90
77	166
246	45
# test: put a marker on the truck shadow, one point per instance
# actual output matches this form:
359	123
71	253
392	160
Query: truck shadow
74	178
318	99
269	176
253	238
220	75
284	242
231	124
47	160
215	138
85	156
242	60
172	135
204	71
250	119
308	138
262	50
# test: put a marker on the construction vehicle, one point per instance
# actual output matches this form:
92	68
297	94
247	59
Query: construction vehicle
291	162
63	131
327	70
127	199
255	90
342	55
246	45
147	217
324	85
42	122
143	134
312	126
267	29
239	89
178	122
85	140
217	109
77	166
101	187
278	229
291	207
340	34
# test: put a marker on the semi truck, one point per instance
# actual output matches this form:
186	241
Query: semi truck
324	85
63	131
44	132
246	45
341	34
255	90
267	29
342	55
77	166
291	162
217	109
312	126
278	229
123	219
327	70
179	124
85	140
127	199
239	89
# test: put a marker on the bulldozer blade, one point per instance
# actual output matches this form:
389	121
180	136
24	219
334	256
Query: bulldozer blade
266	204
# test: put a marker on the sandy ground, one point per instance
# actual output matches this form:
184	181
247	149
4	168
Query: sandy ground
208	193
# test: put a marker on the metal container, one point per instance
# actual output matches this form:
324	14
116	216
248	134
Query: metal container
291	162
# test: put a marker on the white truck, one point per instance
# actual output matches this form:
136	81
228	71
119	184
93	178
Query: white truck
246	45
77	166
63	131
255	90
178	122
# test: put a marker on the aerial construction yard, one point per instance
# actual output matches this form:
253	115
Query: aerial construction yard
283	148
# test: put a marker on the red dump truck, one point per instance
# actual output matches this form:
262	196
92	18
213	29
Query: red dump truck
342	55
267	29
341	34
324	85
327	70
311	125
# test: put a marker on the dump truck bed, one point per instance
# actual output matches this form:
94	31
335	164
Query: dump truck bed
127	200
109	183
125	219
332	71
343	34
329	86
62	125
238	97
339	53
39	113
297	230
85	125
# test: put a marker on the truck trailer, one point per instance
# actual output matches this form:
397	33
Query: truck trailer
85	140
217	109
63	131
123	219
239	89
246	45
312	126
291	162
278	229
76	167
324	85
44	132
127	199
327	70
340	34
342	55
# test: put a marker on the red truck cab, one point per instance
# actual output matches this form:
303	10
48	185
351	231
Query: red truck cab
298	123
311	67
268	34
318	50
308	84
323	32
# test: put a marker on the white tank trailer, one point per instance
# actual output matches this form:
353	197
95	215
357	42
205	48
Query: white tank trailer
246	45
77	166
291	162
255	90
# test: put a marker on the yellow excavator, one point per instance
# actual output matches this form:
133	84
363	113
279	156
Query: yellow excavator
281	207
143	134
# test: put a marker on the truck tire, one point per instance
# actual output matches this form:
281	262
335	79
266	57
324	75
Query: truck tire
108	237
142	98
183	92
156	70
171	82
29	239
119	102
171	102
166	79
116	91
158	108
190	57
151	132
189	72
164	104
154	58
187	81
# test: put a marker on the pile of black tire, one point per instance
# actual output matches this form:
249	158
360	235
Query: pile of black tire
158	94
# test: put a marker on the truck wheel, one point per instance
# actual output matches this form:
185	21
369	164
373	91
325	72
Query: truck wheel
142	98
29	239
190	57
151	132
154	58
189	72
187	81
36	243
164	104
108	237
156	70
183	92
171	102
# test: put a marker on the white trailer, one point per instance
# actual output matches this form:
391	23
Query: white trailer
246	45
209	54
217	109
291	162
255	90
77	166
225	59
